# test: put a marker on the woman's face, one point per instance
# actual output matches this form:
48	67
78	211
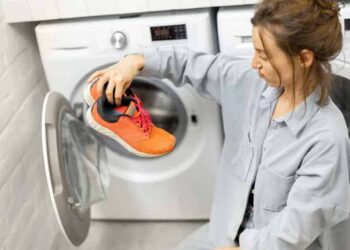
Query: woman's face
262	60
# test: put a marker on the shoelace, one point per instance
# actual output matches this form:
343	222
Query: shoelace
143	118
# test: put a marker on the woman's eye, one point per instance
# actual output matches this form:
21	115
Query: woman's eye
263	58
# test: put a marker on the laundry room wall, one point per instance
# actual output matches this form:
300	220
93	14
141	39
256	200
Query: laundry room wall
26	218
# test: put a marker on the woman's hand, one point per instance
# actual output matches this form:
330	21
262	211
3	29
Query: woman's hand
228	248
119	77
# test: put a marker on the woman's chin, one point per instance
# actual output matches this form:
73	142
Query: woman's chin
272	84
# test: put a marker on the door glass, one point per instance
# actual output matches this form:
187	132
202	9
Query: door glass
85	164
163	105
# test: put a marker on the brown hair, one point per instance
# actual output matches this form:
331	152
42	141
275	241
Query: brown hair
305	24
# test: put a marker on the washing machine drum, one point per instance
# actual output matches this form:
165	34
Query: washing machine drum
164	105
341	96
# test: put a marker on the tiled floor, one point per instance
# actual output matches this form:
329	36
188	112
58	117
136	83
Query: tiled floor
106	235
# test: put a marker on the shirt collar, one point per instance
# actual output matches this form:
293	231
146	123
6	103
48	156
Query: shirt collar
271	93
299	117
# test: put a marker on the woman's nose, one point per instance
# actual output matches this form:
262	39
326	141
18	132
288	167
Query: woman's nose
255	63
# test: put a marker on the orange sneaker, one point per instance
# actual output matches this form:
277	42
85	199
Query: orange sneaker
130	125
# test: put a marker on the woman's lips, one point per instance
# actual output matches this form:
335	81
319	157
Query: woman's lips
261	75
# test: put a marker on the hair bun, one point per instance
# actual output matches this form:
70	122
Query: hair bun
329	7
336	6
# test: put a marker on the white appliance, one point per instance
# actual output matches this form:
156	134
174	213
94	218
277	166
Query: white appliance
179	185
235	31
235	38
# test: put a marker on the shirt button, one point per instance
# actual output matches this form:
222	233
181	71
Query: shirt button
253	191
274	126
264	148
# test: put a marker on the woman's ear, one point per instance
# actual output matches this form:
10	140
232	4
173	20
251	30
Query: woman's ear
306	58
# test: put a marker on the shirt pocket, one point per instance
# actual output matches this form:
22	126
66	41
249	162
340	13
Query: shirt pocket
275	190
243	159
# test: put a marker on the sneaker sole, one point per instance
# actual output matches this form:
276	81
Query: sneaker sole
105	131
87	96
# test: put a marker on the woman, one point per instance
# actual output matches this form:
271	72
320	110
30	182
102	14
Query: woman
283	180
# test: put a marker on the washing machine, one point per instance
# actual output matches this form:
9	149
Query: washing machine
85	168
235	38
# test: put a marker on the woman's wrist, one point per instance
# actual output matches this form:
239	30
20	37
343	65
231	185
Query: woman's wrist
138	60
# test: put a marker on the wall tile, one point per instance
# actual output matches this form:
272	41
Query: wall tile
1	13
27	219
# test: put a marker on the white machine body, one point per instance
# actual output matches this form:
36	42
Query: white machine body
179	185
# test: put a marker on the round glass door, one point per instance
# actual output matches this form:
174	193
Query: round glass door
75	166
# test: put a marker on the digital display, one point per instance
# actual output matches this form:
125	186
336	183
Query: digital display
169	32
347	24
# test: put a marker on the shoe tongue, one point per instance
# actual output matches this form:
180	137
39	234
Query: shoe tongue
131	109
128	110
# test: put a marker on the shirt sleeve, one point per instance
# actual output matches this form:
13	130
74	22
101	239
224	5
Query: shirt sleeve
319	198
207	73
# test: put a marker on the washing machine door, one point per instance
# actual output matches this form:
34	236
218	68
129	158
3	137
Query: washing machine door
75	166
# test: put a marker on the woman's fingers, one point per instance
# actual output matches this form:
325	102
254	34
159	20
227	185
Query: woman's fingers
110	91
118	93
119	88
118	76
101	83
95	75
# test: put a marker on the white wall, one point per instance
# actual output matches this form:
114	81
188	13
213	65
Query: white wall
26	217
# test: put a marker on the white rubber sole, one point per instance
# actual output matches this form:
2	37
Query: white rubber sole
107	132
87	96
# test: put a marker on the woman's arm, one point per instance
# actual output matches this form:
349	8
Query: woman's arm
205	72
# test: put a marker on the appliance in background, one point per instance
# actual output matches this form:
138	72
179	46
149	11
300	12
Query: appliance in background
235	38
235	31
178	186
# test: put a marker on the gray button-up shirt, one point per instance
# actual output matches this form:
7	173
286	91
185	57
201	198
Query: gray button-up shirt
299	162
